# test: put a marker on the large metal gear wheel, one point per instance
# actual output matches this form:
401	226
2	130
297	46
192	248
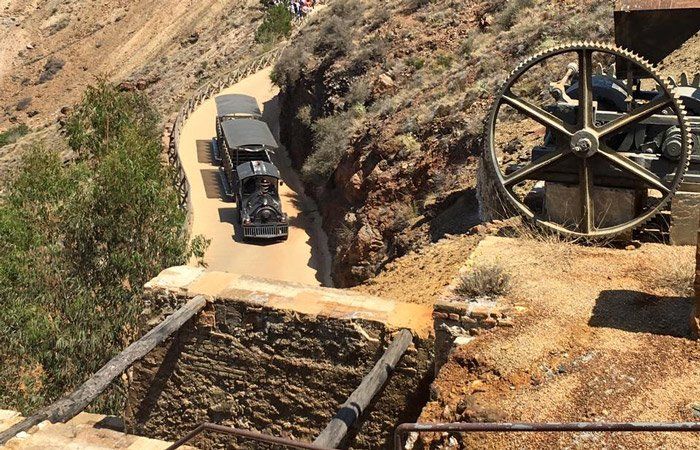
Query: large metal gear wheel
587	141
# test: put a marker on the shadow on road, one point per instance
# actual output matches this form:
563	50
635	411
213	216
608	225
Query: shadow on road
639	312
213	184
204	152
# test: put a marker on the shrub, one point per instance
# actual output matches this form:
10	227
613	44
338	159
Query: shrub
513	9
276	25
305	116
416	63
467	47
359	92
444	61
331	140
409	144
335	38
404	215
489	280
78	243
13	134
51	68
289	67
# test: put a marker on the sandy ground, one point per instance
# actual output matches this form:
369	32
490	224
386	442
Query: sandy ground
304	257
604	337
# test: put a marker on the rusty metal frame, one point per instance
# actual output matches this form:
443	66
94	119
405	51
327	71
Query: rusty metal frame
573	427
247	434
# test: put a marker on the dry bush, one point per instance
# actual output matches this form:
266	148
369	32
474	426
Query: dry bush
331	140
488	280
335	38
511	12
359	93
404	216
289	67
408	143
675	278
305	115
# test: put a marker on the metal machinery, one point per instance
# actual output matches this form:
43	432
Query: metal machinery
613	140
244	145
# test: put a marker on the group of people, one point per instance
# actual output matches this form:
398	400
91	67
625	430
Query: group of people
299	8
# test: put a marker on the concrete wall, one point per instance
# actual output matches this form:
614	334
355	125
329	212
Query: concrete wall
275	357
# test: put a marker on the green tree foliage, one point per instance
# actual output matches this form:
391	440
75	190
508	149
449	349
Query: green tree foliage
78	242
276	25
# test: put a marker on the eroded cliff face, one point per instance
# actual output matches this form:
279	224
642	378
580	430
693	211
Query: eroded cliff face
383	112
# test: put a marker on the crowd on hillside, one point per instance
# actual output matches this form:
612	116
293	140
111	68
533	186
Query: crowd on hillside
299	8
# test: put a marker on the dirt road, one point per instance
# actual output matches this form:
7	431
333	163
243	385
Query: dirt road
304	257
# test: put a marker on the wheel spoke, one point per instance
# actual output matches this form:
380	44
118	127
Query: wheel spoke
635	169
635	116
587	224
585	88
538	114
530	169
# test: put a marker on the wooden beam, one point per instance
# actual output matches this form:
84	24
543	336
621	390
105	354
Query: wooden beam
361	397
68	407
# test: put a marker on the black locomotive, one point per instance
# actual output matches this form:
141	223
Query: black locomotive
243	146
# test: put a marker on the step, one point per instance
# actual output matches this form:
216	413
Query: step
86	431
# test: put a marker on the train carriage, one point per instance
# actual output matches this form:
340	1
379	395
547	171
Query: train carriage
230	107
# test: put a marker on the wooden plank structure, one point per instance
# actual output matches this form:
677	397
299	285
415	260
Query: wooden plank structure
68	407
359	400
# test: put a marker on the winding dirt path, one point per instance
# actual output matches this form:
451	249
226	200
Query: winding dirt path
304	257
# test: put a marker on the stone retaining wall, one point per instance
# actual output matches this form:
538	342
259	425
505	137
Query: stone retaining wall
274	357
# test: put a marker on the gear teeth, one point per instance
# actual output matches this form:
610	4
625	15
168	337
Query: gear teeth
684	79
663	85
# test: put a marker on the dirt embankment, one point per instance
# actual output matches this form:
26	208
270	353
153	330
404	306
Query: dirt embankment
384	107
602	336
51	50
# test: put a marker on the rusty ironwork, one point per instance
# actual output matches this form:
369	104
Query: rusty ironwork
581	147
572	427
246	434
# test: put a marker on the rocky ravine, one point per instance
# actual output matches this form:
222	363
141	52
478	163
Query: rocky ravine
386	102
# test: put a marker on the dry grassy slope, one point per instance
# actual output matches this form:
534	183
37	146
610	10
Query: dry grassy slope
166	42
686	59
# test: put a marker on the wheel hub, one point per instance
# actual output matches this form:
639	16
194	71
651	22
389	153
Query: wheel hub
584	143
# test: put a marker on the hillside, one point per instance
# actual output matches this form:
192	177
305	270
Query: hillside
50	51
384	112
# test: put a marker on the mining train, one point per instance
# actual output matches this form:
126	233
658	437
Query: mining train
243	146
